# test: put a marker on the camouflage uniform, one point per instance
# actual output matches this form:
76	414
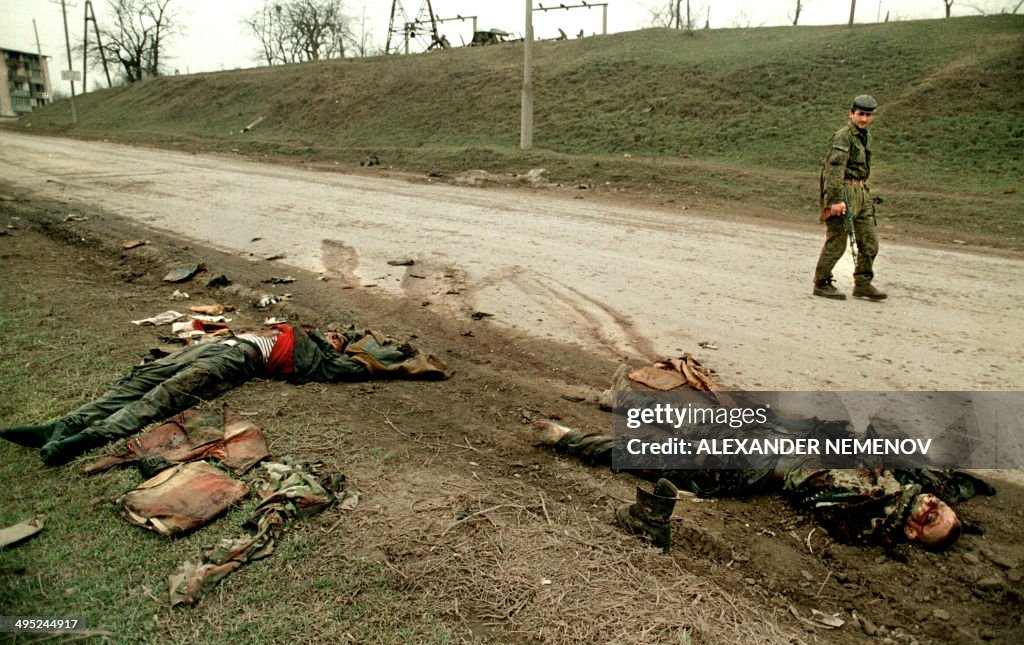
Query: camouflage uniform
855	505
847	167
166	386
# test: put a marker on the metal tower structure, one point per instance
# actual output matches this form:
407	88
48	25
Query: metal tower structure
421	28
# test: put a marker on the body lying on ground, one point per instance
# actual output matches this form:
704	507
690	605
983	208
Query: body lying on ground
156	390
856	505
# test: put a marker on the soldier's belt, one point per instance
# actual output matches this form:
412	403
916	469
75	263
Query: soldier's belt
853	182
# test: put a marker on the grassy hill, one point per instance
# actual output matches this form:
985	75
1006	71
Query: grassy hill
734	117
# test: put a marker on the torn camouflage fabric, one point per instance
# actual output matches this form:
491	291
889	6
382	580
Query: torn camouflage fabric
288	492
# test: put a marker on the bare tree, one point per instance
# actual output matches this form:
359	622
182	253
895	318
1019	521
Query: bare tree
949	6
362	41
292	31
267	25
796	14
983	11
319	28
672	15
136	38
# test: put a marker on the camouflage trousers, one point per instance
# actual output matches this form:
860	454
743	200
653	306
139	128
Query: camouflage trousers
599	449
161	388
863	210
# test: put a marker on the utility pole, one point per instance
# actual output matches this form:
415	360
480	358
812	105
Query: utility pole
85	45
39	48
67	42
853	9
526	123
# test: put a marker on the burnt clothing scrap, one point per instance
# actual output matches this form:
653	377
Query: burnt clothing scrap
288	492
182	498
219	433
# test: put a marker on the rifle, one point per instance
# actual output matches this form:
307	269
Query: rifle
848	223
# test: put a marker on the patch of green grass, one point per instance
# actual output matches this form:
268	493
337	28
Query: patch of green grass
383	456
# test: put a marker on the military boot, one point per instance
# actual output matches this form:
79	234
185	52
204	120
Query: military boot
56	453
651	513
35	436
825	289
869	292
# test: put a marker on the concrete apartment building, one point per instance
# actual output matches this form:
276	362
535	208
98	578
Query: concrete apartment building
24	82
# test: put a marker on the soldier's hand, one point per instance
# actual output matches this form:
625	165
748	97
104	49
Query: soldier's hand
838	209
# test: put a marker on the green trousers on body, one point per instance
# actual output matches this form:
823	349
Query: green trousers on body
164	387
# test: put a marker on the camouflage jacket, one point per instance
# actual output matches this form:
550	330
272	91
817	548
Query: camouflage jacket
848	157
856	506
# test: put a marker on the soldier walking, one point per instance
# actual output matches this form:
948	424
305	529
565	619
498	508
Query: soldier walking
846	202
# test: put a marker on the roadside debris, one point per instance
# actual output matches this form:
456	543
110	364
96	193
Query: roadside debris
71	217
707	344
184	272
201	326
277	280
21	531
218	433
218	281
182	498
253	124
131	244
276	256
179	295
211	310
480	315
288	493
402	263
165	318
664	375
266	300
820	619
372	160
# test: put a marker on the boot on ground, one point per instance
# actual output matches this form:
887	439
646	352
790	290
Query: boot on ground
826	289
620	383
650	516
56	453
868	291
34	436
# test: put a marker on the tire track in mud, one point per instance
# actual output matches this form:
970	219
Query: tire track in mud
340	262
591	319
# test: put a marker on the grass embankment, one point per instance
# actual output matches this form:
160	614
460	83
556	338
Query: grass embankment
736	117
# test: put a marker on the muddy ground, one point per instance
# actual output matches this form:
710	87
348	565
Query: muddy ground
516	542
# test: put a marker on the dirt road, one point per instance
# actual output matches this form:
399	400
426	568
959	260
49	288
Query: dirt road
565	265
